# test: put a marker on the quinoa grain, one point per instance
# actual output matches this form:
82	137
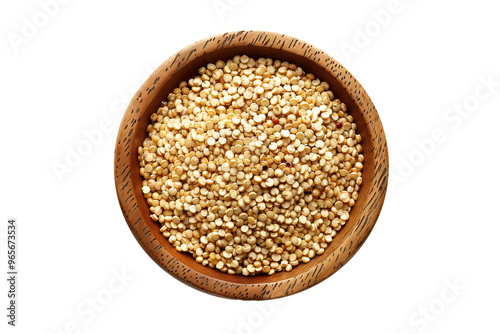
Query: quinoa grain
252	166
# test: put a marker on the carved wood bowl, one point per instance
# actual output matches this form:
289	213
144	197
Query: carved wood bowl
184	65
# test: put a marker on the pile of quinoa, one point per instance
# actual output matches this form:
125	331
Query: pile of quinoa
252	166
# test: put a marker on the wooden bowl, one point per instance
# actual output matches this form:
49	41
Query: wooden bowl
184	65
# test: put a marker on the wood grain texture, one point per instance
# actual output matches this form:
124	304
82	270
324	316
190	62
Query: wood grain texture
184	65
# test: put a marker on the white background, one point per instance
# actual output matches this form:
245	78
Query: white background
439	226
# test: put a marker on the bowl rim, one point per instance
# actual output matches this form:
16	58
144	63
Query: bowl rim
238	286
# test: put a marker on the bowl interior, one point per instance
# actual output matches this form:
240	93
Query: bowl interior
161	88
